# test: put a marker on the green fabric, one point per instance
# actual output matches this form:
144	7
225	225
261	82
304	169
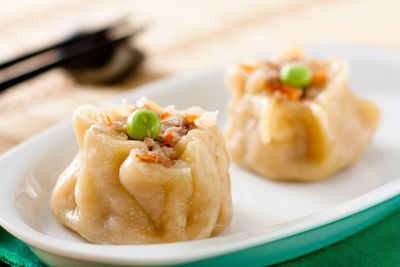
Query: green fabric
14	252
378	245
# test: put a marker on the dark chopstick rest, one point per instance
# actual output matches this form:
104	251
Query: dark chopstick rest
76	38
83	50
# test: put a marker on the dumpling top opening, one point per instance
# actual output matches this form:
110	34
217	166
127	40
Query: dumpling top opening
290	77
158	128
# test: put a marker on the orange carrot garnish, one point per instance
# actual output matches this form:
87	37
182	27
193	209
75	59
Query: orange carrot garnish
109	121
147	157
319	78
289	92
270	86
164	115
168	138
247	67
191	117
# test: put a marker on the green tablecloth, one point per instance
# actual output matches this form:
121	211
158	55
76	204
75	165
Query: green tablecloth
14	252
379	245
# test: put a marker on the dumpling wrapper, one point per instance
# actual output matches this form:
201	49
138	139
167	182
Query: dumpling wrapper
303	140
108	195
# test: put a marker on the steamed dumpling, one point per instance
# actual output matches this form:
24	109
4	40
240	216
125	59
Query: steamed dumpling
287	133
123	191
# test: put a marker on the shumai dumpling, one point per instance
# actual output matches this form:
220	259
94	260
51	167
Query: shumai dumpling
174	187
285	132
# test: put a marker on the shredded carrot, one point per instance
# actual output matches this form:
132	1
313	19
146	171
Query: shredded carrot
291	92
270	87
285	90
164	115
319	78
109	121
247	67
147	157
168	138
191	117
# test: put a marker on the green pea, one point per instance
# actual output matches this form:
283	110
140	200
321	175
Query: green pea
143	123
296	75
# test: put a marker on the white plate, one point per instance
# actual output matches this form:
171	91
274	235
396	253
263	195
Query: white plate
266	213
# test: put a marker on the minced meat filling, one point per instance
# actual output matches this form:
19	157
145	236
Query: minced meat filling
162	149
277	89
173	128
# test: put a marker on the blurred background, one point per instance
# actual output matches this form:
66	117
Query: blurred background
179	36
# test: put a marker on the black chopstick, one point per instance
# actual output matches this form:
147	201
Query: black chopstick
91	35
71	54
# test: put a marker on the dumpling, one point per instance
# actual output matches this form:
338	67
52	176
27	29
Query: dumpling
302	133
175	187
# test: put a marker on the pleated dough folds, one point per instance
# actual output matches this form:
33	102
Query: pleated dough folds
108	195
303	140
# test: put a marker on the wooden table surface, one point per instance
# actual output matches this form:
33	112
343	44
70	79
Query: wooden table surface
181	36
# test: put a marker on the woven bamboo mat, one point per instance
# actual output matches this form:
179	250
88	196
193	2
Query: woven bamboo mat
181	36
